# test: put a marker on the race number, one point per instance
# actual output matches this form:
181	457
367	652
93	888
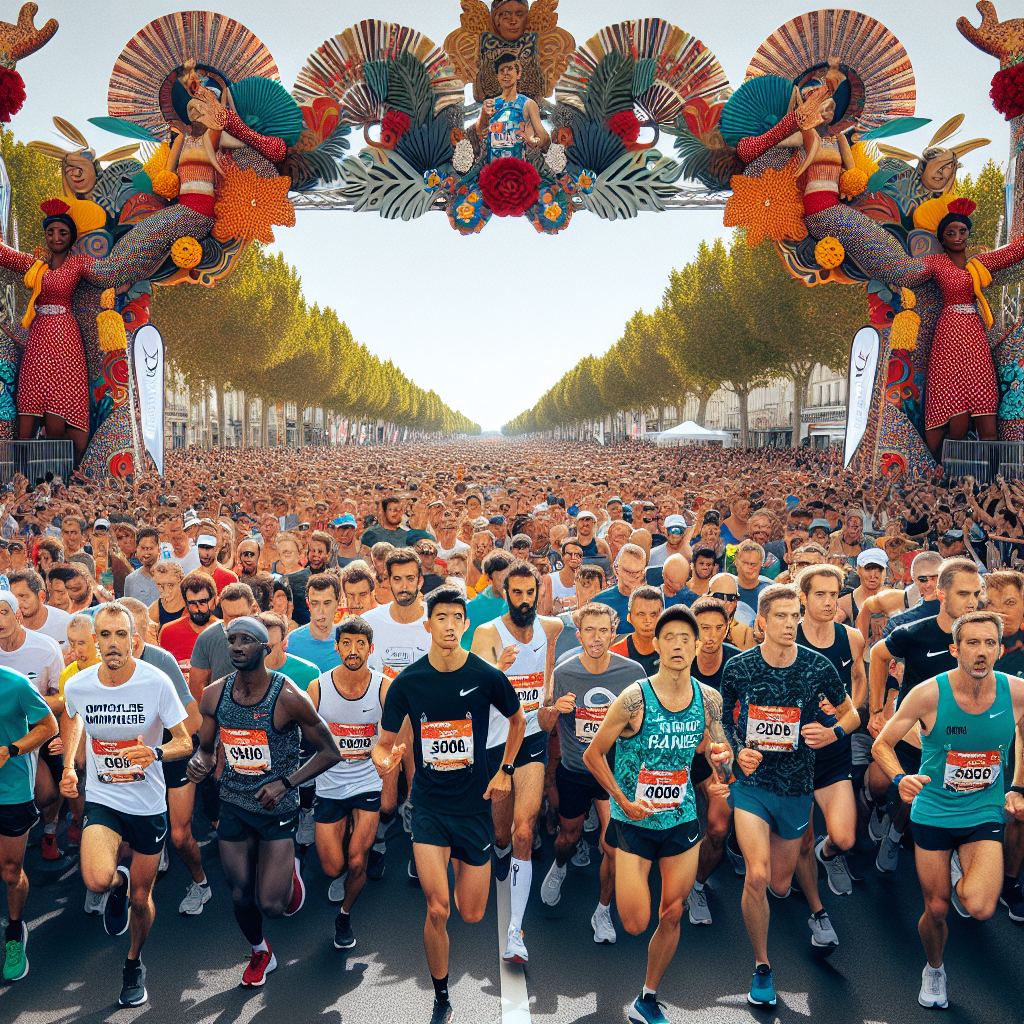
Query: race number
773	728
390	671
247	751
355	742
529	689
111	765
447	746
665	791
588	721
969	772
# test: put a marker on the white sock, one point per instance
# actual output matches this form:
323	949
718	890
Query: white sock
50	830
502	851
649	991
520	881
261	948
699	886
604	908
205	882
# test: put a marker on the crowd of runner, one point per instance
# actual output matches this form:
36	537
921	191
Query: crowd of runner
684	651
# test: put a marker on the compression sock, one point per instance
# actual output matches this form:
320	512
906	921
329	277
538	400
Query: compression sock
502	851
520	881
13	931
440	989
261	948
132	964
699	886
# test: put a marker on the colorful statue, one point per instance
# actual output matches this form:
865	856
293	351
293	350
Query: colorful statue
512	120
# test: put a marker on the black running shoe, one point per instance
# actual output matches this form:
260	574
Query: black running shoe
375	864
344	937
116	912
133	987
443	1013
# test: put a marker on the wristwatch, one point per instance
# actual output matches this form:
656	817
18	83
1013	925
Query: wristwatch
159	752
839	731
13	750
508	769
898	779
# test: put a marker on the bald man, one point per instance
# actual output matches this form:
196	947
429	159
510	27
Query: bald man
674	585
725	588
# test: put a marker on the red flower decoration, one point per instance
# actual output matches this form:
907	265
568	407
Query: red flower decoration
12	93
1007	91
395	123
121	464
510	186
625	125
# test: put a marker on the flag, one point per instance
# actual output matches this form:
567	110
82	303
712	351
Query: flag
148	357
864	353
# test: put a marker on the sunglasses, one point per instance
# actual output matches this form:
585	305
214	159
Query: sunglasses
925	579
725	597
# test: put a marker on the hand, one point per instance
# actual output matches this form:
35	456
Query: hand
489	108
200	765
637	810
720	754
140	754
1015	805
911	785
508	657
566	704
69	784
500	787
388	763
719	789
817	735
748	760
876	723
270	795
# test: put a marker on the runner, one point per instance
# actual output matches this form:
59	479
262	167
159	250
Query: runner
967	719
447	697
655	727
123	706
522	645
259	716
645	605
778	686
598	677
350	699
559	589
28	587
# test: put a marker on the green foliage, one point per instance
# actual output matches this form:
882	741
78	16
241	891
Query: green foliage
34	179
990	195
611	87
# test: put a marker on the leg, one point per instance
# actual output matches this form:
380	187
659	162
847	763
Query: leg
839	806
527	792
569	832
633	892
432	868
959	425
144	867
27	427
983	877
933	874
878	781
677	877
12	861
330	846
472	887
364	829
934	438
181	802
713	844
100	847
986	427
604	815
754	836
238	859
1013	848
47	795
275	876
785	853
807	869
502	815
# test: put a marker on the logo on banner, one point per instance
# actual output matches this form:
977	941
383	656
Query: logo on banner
863	367
148	351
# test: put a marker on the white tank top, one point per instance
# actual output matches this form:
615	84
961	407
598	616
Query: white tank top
396	645
355	725
527	678
561	592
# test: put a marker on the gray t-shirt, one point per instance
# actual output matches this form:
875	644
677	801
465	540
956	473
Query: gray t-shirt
211	652
142	587
164	660
594	695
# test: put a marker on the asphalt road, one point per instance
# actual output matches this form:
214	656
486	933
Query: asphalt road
195	964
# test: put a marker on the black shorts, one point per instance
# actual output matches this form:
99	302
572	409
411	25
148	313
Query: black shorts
328	811
576	790
17	819
829	772
909	757
653	843
237	825
144	833
469	837
700	770
174	771
934	837
53	762
533	750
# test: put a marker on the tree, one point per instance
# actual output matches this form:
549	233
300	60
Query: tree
989	192
34	179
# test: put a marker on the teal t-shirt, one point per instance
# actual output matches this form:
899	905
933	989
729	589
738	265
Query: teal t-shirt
21	707
299	671
482	609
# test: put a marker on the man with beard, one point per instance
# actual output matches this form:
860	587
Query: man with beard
314	642
207	547
318	556
260	718
526	654
179	637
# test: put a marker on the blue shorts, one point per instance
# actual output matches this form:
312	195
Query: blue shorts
786	815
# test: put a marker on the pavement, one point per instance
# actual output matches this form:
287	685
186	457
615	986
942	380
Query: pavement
195	963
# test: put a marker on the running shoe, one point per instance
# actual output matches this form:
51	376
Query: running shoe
839	879
375	862
956	872
762	988
551	887
443	1013
133	986
604	930
823	935
515	947
406	812
697	905
74	836
888	853
591	822
15	961
646	1010
581	858
49	846
95	902
196	897
501	862
1013	899
336	892
878	823
933	987
305	834
734	855
344	937
118	910
261	963
165	862
298	891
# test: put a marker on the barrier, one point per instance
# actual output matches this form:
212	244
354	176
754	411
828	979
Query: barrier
34	459
984	460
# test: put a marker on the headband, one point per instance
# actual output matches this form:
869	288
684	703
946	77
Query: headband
251	625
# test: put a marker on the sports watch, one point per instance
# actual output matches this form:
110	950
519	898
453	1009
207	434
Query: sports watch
508	769
13	750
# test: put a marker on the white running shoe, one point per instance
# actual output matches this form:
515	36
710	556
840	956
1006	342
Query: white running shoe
697	905
581	858
604	930
196	896
165	862
956	872
551	887
823	935
591	823
515	948
95	902
305	834
336	893
933	987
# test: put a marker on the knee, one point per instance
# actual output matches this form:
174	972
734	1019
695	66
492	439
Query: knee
755	881
980	906
181	834
671	914
333	866
11	872
356	863
807	841
139	897
438	912
843	838
472	915
97	879
275	907
937	908
635	921
718	828
523	834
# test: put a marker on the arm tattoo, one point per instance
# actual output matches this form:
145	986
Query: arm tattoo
633	700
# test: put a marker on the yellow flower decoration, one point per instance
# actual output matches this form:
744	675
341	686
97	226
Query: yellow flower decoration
247	205
465	211
852	183
904	330
767	206
165	184
585	181
829	253
158	161
929	213
553	212
186	253
112	334
866	156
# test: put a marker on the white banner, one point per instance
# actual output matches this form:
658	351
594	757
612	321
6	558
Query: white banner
148	351
864	353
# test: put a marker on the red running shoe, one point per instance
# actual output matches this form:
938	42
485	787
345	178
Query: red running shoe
49	846
75	833
298	891
261	964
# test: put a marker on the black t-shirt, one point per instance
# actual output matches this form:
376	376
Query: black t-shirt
648	662
715	678
450	713
297	581
924	648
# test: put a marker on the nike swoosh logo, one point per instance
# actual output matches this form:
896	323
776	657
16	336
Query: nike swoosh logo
935	654
487	847
260	716
466	693
845	663
160	838
997	714
284	824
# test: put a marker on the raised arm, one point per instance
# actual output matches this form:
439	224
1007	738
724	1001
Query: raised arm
14	260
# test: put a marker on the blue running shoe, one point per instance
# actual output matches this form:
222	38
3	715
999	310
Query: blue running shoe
646	1010
762	989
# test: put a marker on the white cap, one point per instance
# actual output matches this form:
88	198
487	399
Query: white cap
675	520
101	522
873	556
584	514
9	599
206	540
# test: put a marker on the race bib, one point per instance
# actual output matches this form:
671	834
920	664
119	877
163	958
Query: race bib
111	765
355	742
588	721
390	671
969	772
247	751
773	728
447	746
529	689
666	791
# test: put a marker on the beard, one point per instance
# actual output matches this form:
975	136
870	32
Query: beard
200	618
405	598
522	615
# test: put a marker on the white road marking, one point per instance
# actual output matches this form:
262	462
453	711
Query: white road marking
249	1009
515	1000
73	985
214	983
43	918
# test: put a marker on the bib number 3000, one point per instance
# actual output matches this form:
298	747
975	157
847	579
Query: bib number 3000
447	746
773	728
971	772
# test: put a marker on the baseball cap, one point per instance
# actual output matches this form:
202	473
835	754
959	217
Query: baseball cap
239	516
496	521
584	514
820	524
346	520
191	519
712	516
206	540
873	556
675	521
612	500
101	523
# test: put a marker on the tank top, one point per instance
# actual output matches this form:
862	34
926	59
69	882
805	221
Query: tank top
841	657
560	592
589	550
396	645
655	763
965	755
166	616
255	753
526	675
355	726
507	127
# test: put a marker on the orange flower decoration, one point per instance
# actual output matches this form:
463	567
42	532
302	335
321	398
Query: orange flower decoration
770	205
247	205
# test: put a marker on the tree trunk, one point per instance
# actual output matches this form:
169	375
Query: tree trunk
744	397
800	382
264	423
702	408
220	414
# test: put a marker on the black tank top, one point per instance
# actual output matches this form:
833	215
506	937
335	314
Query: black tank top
166	616
841	657
589	550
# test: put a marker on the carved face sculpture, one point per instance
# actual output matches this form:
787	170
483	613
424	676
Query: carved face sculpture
939	170
509	19
79	171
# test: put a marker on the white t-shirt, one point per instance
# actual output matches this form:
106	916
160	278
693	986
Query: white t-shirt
396	645
40	659
55	626
460	548
190	562
115	717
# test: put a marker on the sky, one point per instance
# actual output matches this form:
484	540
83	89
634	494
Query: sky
448	309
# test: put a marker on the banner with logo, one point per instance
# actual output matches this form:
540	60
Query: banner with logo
148	356
864	352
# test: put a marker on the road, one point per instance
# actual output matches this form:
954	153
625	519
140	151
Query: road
195	964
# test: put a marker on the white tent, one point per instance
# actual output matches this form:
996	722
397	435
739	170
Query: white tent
690	433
